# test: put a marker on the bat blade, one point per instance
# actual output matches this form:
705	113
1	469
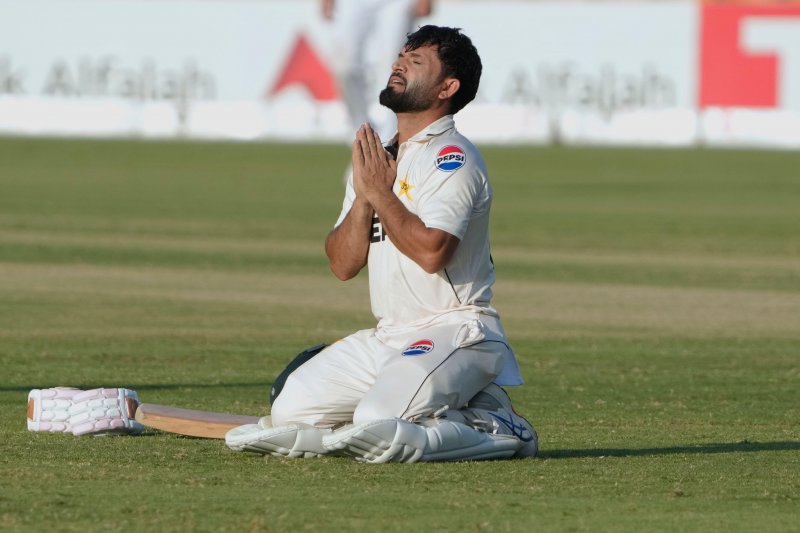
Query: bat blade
190	422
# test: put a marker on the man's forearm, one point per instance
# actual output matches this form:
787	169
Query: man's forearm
347	245
430	248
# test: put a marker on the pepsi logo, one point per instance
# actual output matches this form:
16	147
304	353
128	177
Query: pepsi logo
450	158
419	348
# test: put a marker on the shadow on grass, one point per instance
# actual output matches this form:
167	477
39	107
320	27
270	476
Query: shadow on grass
142	387
729	447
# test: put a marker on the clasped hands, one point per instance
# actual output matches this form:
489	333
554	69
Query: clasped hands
374	170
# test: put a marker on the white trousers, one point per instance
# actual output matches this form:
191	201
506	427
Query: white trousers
361	379
367	37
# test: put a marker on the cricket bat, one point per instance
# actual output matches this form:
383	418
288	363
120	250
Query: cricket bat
190	422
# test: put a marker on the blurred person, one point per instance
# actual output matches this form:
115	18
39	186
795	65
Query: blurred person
425	383
366	37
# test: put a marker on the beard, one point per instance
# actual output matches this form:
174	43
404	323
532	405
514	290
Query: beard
412	100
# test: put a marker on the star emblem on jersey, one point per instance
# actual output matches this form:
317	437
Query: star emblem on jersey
419	348
404	188
450	158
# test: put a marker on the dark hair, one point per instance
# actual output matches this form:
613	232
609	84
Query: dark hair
459	59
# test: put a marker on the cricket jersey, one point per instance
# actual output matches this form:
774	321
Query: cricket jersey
441	178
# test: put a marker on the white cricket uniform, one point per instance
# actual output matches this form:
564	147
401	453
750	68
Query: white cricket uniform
438	341
367	36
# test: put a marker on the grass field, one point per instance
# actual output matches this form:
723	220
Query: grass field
652	296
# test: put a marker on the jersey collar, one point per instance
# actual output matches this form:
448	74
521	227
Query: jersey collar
434	129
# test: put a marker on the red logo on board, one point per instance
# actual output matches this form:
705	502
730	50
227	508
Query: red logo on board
733	73
304	67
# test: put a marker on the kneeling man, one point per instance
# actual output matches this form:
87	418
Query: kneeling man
425	383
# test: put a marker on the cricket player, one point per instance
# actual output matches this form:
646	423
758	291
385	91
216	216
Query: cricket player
424	384
366	36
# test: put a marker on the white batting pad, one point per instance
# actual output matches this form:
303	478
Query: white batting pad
400	441
97	412
380	441
285	441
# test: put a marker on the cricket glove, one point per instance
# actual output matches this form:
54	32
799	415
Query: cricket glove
99	411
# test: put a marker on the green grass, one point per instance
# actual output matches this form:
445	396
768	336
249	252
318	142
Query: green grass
652	296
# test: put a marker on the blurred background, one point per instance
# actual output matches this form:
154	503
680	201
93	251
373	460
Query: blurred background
169	170
651	73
